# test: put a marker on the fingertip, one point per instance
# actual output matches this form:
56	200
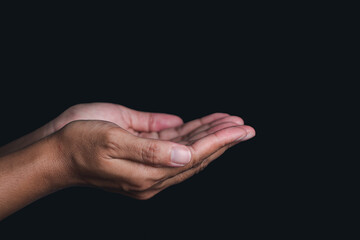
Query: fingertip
241	135
175	120
167	121
230	134
250	132
253	131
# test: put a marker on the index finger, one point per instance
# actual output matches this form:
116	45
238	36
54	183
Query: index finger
171	133
175	176
204	147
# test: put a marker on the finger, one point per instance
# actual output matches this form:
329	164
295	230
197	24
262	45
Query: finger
230	119
234	119
153	152
205	146
199	135
142	181
202	131
180	177
191	137
186	128
250	132
124	176
152	122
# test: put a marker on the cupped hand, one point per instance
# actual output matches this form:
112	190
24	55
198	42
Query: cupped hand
131	120
140	161
114	148
145	124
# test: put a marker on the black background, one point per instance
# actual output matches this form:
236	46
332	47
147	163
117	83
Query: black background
253	63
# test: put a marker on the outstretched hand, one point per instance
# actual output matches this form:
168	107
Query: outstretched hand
144	124
101	154
114	148
145	147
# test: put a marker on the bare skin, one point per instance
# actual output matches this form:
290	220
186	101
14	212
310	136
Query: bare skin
115	148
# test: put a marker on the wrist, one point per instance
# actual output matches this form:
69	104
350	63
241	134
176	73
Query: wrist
59	170
31	173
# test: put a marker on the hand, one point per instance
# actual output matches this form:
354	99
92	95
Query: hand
132	154
133	121
101	154
144	124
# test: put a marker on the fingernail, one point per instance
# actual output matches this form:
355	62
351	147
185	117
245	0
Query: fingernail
180	156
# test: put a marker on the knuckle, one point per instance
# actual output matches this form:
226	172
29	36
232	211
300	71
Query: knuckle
195	159
141	185
155	175
144	196
111	134
143	180
145	185
110	138
149	152
160	186
151	122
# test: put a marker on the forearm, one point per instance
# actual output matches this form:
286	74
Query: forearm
29	174
27	140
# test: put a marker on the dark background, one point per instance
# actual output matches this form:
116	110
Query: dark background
254	63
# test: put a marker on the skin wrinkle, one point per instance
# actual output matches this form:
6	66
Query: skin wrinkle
151	122
192	135
161	186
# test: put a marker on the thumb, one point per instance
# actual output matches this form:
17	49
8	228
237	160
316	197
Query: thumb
156	152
